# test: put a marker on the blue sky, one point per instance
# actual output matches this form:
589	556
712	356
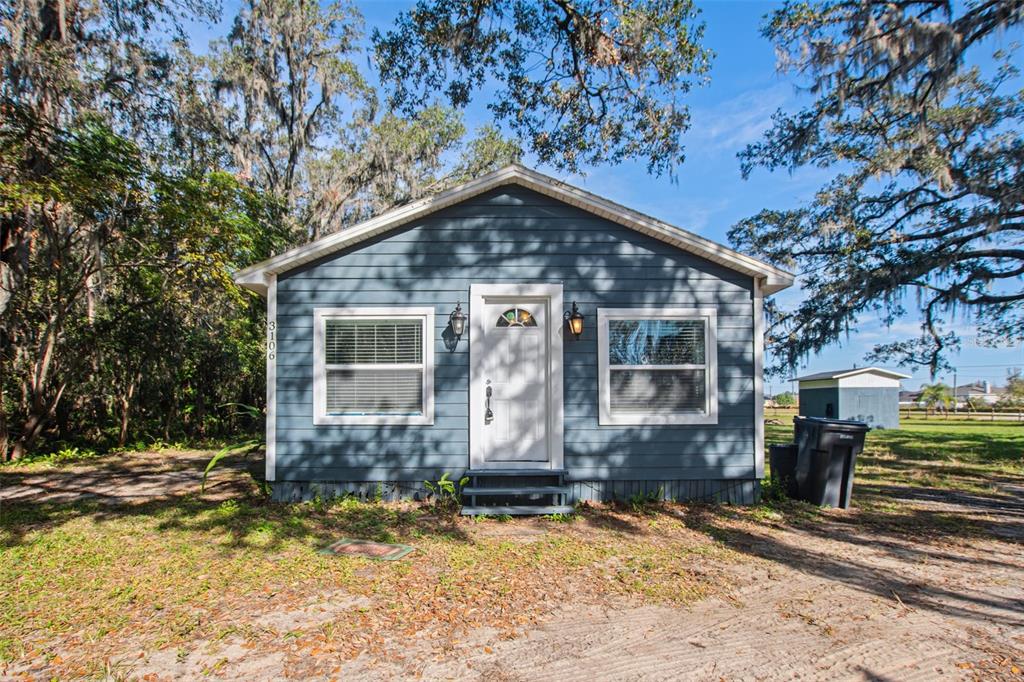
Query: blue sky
710	195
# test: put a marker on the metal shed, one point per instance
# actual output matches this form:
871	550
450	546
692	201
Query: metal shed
867	394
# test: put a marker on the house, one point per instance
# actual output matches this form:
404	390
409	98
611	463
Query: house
439	338
867	394
978	391
910	398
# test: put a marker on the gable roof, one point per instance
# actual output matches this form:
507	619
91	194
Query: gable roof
841	373
773	279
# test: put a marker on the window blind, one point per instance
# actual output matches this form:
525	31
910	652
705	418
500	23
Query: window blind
652	391
373	391
373	342
374	367
657	366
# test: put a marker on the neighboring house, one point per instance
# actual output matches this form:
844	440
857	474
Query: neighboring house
979	391
371	389
867	394
910	398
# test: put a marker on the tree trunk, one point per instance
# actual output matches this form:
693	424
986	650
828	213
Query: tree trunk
30	431
4	434
169	420
126	404
122	436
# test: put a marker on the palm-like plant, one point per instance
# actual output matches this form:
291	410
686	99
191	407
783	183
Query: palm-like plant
935	396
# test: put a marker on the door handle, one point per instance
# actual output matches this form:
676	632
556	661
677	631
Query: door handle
488	414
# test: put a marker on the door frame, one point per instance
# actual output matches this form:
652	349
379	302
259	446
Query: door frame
551	296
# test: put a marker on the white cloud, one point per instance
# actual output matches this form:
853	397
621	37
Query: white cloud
736	122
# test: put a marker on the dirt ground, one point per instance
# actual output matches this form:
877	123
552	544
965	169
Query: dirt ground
842	595
128	478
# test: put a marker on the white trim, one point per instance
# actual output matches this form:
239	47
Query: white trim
270	473
710	317
758	380
551	295
872	380
843	373
820	383
320	315
775	279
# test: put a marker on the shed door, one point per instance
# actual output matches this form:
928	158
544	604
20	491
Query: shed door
511	383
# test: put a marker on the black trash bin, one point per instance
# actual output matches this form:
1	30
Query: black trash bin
782	459
827	451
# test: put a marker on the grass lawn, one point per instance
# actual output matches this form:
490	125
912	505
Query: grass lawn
81	583
88	588
970	456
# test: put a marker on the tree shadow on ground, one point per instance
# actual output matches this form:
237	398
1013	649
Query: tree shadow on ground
232	509
838	546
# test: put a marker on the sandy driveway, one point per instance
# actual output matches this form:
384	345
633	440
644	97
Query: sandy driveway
849	606
842	597
128	478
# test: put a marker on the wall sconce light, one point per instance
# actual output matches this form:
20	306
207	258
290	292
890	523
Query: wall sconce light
457	321
575	320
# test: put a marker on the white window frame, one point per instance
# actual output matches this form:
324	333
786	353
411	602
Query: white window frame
606	417
320	316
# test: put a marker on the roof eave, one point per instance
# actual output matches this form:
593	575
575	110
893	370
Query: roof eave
773	279
255	280
841	374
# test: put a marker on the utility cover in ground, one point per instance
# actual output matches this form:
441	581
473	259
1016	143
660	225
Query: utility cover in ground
366	548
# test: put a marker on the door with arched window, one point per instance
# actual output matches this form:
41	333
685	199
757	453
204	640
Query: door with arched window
511	379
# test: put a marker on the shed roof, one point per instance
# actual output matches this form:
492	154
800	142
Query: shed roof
841	373
773	279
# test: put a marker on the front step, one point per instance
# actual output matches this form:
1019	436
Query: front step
521	492
539	490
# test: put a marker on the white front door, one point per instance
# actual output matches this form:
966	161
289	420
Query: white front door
515	410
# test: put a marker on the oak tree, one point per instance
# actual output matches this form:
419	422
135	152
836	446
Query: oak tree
580	83
918	117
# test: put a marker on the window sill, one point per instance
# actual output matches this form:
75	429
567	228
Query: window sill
657	419
372	420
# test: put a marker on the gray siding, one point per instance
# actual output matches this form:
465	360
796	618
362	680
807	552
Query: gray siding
514	235
814	401
878	407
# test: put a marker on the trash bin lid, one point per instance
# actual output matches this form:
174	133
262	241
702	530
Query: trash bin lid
836	424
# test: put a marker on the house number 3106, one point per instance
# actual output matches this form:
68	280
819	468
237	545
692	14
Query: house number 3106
271	340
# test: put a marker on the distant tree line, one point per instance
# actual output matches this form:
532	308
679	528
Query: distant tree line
137	174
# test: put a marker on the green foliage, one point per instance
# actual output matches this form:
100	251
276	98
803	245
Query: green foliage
1014	396
642	502
249	446
608	85
137	177
67	454
936	397
786	399
975	404
284	95
142	300
922	214
773	490
446	492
